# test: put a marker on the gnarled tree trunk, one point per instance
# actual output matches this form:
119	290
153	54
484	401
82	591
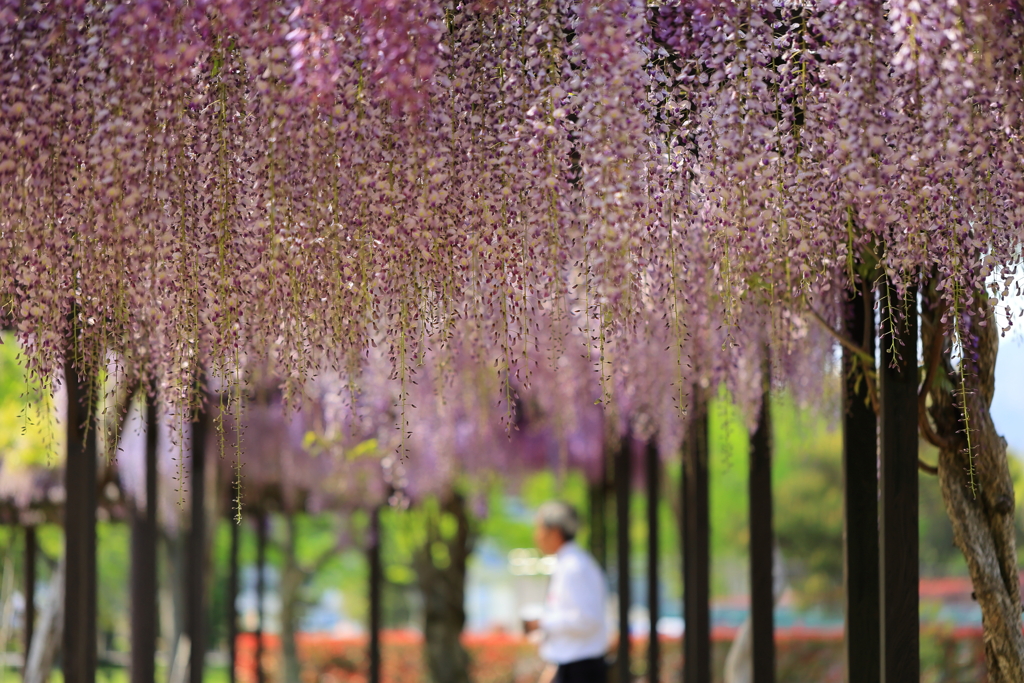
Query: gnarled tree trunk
441	568
976	484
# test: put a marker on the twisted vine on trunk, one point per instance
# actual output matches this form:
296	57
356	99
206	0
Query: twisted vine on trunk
441	569
976	484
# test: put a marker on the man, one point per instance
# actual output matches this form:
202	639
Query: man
573	634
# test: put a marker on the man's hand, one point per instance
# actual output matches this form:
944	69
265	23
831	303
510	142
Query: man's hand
533	632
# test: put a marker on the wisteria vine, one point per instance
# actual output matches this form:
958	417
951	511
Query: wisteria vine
661	190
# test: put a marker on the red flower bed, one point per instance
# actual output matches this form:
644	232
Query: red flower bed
804	656
496	658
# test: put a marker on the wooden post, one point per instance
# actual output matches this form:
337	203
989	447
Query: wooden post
232	615
622	490
696	546
30	587
860	499
900	647
653	501
143	570
762	543
196	556
261	560
79	654
376	593
598	517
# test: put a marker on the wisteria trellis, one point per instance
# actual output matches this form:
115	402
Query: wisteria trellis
222	182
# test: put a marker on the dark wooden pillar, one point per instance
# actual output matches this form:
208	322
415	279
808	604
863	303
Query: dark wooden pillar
598	497
762	543
696	546
261	560
622	490
860	498
30	587
376	594
898	482
653	503
79	654
232	607
143	570
196	555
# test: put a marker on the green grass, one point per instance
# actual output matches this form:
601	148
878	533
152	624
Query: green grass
116	674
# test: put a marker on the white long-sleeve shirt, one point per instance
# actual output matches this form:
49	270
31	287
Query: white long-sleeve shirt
574	614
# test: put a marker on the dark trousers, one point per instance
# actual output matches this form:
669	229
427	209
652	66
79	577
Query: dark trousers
583	671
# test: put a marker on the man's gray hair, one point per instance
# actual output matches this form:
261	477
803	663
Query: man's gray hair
560	516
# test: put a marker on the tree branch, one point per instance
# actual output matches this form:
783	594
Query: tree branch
869	313
932	363
121	409
934	352
321	561
846	343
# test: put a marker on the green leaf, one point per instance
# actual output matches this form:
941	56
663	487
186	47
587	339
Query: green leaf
400	574
448	526
365	449
440	555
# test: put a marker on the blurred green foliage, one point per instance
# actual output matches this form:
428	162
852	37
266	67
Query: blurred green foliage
808	515
29	435
116	674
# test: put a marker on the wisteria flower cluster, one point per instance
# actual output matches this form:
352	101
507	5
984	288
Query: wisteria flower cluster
661	192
